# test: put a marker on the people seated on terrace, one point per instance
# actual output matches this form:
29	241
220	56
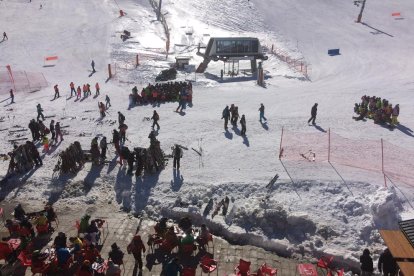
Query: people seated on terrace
85	269
19	212
116	255
13	226
203	236
161	227
41	220
26	228
76	245
84	224
60	241
93	231
90	253
39	260
188	238
50	213
63	255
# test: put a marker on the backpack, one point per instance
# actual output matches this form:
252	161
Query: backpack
47	131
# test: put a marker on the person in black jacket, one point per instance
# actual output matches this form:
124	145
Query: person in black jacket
52	130
243	125
386	264
367	266
116	255
177	153
313	113
226	116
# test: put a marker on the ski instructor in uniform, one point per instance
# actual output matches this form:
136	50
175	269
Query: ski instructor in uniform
313	113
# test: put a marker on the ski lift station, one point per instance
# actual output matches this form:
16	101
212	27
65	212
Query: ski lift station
232	49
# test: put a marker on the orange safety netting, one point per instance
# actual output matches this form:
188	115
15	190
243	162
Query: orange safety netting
376	155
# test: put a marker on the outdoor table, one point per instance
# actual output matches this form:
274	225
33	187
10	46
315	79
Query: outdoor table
307	270
14	243
100	267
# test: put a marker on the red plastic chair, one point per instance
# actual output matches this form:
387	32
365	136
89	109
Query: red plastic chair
25	260
324	262
42	229
187	249
307	270
265	270
243	269
41	269
5	251
208	264
188	271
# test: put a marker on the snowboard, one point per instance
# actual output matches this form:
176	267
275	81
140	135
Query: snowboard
273	181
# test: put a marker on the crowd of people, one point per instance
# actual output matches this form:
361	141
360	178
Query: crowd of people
181	92
23	158
380	110
232	114
71	159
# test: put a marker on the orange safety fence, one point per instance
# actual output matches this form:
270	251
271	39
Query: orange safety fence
396	163
297	64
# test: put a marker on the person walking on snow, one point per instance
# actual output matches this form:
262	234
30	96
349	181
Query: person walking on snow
226	116
97	89
85	91
177	154
72	89
121	118
156	118
79	92
367	266
40	112
314	111
387	264
52	130
107	101
5	36
395	113
11	96
88	87
262	109
93	66
58	132
103	145
243	125
56	91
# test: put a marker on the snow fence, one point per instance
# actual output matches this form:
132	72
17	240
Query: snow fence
380	156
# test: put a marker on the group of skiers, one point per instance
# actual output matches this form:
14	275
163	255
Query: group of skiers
71	159
162	92
380	110
232	114
40	132
23	158
86	90
149	159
